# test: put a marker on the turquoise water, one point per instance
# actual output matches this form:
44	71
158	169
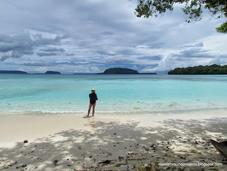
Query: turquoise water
116	93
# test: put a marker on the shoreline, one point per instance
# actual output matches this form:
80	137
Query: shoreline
109	141
169	108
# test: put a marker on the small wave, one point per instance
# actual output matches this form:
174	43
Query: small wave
108	112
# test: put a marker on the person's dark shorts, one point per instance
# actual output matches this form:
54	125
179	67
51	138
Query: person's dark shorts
92	102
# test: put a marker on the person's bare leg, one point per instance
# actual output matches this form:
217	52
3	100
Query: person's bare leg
89	110
93	109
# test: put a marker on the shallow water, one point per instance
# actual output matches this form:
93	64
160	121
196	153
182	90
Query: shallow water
116	93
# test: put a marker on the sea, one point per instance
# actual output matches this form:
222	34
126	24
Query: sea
117	94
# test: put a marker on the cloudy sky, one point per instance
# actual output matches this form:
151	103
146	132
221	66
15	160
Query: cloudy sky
92	35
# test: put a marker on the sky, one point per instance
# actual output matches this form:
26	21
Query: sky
84	36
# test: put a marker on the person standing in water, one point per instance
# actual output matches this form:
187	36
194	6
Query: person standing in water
93	98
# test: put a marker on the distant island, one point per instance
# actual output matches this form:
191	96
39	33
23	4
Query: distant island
120	71
107	71
52	72
148	73
12	72
200	70
123	71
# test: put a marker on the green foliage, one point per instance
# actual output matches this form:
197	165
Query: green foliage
120	71
222	28
200	70
192	8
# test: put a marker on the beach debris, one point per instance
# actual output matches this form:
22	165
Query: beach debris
182	157
25	141
7	164
109	154
21	166
221	147
153	147
124	168
196	142
105	162
120	158
118	164
224	161
24	165
146	148
147	167
55	162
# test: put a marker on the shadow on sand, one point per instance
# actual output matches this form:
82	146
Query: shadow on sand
117	146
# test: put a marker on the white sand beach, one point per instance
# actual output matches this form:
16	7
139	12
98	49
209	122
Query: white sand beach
153	72
117	142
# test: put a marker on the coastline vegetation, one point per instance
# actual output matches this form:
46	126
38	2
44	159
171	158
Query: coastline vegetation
200	70
120	71
194	9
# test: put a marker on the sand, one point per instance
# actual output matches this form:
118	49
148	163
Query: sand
112	142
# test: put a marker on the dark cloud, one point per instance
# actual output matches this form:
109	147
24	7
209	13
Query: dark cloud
96	34
51	49
107	33
194	53
105	53
120	62
199	44
46	53
219	60
24	44
154	58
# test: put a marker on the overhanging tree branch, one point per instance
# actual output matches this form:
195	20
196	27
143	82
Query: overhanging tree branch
192	8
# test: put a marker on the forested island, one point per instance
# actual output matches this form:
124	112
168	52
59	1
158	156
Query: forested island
12	72
52	72
107	71
200	70
124	71
120	71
